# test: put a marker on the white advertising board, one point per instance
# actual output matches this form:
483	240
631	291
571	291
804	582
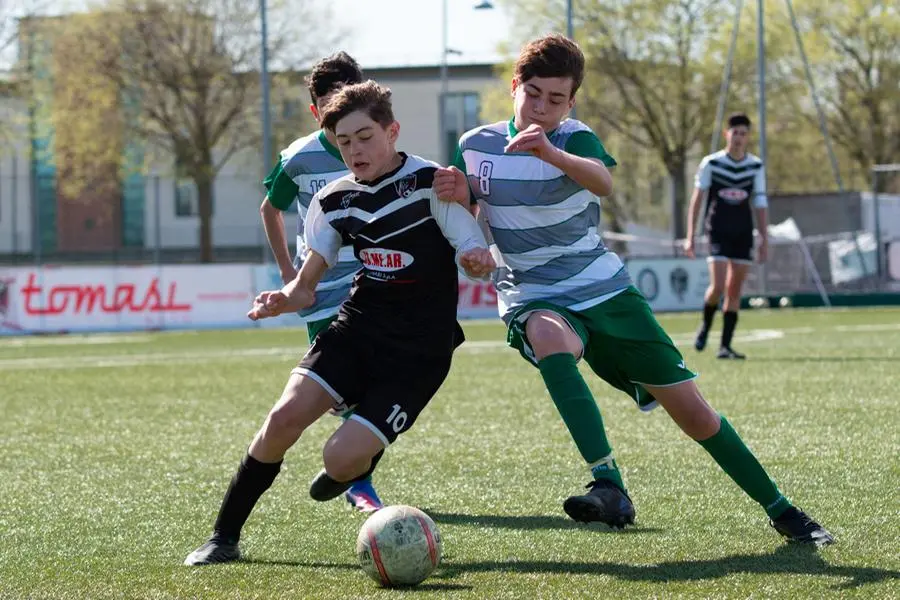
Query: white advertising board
120	298
671	284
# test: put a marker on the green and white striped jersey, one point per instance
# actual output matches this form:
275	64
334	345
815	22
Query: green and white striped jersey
544	225
305	167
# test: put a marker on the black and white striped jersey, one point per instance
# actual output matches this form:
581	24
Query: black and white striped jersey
408	242
735	188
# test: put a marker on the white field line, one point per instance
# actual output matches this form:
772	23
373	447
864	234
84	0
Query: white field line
296	352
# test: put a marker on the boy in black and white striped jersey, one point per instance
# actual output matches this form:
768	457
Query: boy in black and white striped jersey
391	346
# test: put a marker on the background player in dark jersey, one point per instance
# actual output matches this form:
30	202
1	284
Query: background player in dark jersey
390	348
734	184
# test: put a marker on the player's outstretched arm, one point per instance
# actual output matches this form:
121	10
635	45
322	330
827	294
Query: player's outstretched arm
298	294
464	234
590	172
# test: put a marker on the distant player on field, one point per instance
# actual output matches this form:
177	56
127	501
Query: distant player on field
389	350
305	167
734	184
536	179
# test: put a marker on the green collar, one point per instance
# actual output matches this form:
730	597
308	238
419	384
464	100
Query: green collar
513	132
329	147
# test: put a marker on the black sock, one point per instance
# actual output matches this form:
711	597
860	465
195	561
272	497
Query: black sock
248	484
709	313
730	319
371	470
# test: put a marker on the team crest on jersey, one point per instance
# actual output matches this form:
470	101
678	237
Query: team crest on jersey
733	195
348	198
405	186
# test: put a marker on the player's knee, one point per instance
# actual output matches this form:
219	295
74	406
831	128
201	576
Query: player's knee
715	291
342	463
548	335
286	417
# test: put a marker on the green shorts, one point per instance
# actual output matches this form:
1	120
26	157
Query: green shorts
623	344
314	328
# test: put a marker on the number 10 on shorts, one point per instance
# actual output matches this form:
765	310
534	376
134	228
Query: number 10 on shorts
397	418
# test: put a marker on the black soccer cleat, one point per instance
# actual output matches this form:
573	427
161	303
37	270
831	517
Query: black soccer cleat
700	341
323	488
797	527
605	503
729	354
215	550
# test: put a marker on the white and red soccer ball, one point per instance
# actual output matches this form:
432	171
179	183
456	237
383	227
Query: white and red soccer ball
399	546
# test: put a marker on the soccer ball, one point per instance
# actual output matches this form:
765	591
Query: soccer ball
398	545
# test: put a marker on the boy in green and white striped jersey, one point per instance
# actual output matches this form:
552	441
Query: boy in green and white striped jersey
537	179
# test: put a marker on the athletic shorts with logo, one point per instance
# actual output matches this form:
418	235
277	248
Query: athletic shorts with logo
385	390
623	344
731	247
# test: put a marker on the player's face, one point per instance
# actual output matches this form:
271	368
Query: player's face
317	108
366	146
543	101
737	138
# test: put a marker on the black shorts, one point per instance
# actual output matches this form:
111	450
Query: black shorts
386	390
738	248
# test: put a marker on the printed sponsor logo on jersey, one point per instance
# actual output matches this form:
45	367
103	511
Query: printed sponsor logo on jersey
379	259
733	195
348	198
405	186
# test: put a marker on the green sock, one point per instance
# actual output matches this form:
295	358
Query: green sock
736	459
579	412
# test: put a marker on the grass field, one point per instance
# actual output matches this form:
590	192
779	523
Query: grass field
115	451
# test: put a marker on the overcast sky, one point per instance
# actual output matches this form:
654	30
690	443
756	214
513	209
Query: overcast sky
387	32
408	32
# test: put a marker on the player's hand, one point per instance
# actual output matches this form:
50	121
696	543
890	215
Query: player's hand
689	248
450	185
477	263
532	139
762	254
267	304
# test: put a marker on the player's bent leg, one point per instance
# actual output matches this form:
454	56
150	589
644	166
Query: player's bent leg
350	456
549	333
555	341
717	270
736	274
687	407
302	402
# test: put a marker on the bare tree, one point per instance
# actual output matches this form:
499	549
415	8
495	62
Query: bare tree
180	75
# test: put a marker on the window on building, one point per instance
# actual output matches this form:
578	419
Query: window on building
461	113
187	203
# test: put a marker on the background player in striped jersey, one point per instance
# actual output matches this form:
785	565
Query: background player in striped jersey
564	296
391	346
732	181
305	167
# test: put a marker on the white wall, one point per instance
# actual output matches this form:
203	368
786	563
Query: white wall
15	200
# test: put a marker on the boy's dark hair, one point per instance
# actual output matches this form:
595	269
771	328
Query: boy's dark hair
738	119
369	97
551	56
332	72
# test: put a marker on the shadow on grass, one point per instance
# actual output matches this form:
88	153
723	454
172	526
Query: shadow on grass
422	587
528	522
828	359
787	560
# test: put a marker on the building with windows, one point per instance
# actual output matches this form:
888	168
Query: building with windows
156	214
